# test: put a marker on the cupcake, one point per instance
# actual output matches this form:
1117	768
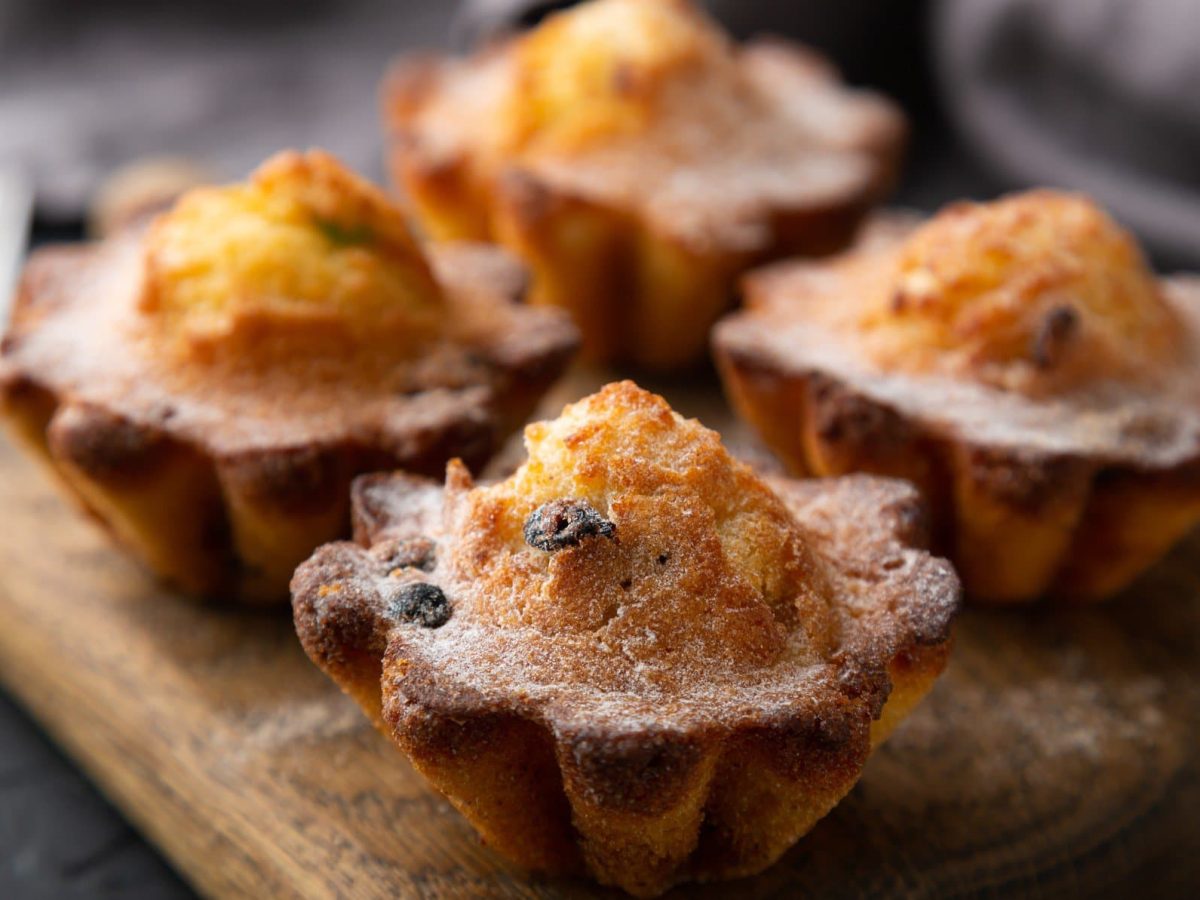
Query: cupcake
1017	360
208	388
634	657
638	159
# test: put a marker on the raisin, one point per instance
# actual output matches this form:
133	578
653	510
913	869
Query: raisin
421	603
564	523
1052	336
416	553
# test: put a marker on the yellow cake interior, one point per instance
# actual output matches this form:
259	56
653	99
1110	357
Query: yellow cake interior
303	246
1040	288
595	71
702	555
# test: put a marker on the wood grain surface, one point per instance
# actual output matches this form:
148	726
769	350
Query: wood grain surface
1059	755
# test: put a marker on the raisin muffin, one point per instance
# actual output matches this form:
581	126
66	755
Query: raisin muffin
1017	360
637	159
634	657
208	388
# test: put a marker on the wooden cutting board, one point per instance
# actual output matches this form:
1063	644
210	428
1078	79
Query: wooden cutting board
1058	755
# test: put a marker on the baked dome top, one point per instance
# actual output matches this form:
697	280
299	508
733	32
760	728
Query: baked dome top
1032	322
632	575
694	567
647	105
247	319
1034	292
305	245
598	72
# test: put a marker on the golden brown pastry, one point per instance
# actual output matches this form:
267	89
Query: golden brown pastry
637	159
210	387
634	657
1017	360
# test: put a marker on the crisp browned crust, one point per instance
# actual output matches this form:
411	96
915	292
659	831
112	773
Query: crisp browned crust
1070	494
644	270
707	779
222	483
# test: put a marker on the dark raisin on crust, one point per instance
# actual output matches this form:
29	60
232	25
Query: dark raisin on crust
417	553
564	523
420	603
1053	334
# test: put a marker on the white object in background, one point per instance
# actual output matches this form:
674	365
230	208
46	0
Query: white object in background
16	206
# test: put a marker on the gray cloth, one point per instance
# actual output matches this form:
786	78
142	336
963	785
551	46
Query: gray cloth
1098	95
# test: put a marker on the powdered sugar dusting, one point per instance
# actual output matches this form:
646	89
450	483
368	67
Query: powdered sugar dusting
729	145
652	626
79	333
799	319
